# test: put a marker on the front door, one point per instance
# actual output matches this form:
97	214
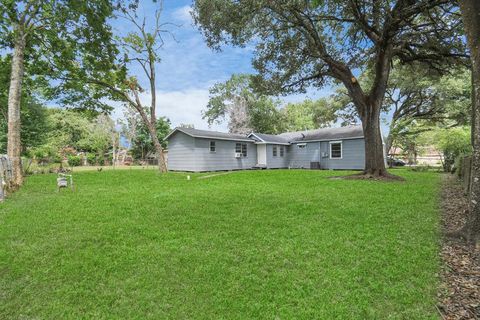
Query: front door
262	154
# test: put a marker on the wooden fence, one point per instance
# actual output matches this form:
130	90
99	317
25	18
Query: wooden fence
5	174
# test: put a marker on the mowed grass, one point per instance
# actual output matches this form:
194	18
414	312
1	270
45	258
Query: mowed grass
275	244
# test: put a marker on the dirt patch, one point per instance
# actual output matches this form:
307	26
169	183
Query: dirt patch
362	176
459	296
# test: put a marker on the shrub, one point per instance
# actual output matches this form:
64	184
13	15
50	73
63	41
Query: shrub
74	161
453	143
91	158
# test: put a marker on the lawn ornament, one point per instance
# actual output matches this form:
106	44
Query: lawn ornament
63	181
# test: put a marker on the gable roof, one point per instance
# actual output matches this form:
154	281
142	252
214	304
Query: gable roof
269	138
196	133
348	132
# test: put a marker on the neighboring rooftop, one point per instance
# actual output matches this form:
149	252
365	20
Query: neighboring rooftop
347	132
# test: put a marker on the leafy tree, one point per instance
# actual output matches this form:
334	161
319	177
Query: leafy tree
418	101
141	45
142	143
470	10
53	38
310	114
245	109
309	43
453	143
33	113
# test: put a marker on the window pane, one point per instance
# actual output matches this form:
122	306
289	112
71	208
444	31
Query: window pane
336	150
244	149
274	151
281	151
212	146
238	148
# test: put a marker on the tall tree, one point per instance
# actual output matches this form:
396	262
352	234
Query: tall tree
471	20
246	110
416	98
303	43
142	46
310	114
55	34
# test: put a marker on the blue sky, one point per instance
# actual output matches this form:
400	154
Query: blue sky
189	68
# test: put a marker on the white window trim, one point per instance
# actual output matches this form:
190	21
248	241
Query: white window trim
341	150
301	145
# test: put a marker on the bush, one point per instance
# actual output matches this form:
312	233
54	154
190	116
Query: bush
91	158
74	161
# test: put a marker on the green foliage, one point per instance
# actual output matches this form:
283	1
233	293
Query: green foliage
70	42
142	143
33	113
270	244
453	143
246	110
309	114
72	131
74	161
91	158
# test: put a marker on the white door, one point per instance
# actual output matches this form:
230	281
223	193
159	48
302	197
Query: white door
262	154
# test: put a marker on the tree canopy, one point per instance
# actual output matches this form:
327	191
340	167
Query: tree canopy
302	43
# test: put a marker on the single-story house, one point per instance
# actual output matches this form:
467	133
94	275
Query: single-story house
203	150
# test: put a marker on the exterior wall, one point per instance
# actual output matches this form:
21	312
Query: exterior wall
302	157
278	161
353	155
181	148
224	156
186	153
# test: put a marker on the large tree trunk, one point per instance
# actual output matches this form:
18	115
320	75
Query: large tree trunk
14	100
374	153
471	19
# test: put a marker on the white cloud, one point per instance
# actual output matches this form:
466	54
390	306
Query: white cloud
183	14
184	106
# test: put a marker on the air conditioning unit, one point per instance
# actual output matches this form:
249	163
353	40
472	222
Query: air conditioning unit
238	155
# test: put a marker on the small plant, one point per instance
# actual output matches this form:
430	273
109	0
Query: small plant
74	161
91	159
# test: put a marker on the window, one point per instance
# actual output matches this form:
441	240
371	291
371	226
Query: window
241	148
238	148
336	150
274	151
301	145
212	146
282	151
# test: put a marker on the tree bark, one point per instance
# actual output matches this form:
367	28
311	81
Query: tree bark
471	19
374	153
14	99
158	147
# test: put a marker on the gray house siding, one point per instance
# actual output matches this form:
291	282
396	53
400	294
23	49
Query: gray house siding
224	156
353	155
302	157
181	148
277	161
192	153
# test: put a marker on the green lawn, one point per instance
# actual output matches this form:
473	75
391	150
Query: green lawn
273	244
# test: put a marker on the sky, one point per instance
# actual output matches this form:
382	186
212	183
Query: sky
189	68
